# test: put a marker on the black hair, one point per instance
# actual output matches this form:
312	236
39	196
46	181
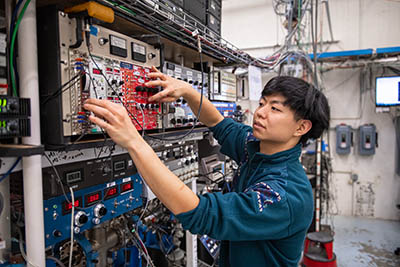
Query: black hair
305	100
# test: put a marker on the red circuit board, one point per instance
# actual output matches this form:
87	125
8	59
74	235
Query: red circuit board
135	94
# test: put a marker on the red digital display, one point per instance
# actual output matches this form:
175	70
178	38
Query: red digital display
67	206
126	187
96	71
92	198
110	192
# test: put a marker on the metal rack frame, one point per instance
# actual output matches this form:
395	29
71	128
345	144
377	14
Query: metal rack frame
179	26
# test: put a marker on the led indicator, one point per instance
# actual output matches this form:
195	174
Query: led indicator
110	192
126	187
92	198
67	206
96	71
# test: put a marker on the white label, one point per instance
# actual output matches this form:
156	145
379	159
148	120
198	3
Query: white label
141	49
189	73
179	112
178	76
3	61
2	244
110	184
3	43
178	70
127	179
118	42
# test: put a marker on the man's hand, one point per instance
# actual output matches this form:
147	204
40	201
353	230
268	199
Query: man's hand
115	121
173	88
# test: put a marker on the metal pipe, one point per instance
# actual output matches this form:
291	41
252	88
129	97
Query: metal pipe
32	166
328	14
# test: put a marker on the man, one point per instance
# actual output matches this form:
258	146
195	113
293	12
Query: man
265	220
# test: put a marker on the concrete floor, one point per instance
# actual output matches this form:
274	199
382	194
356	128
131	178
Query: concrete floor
366	242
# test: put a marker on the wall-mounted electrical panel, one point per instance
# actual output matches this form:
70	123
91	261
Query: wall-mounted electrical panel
344	139
368	139
115	69
223	86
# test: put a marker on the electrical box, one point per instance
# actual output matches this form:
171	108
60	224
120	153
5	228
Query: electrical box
344	139
368	139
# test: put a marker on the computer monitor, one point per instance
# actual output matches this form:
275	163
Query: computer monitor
387	91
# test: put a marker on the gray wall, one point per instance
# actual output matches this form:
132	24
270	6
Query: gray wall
357	24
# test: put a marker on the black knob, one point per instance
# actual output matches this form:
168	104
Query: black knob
187	162
190	120
184	101
179	121
178	100
106	169
57	233
196	83
13	106
190	81
192	160
185	121
102	211
179	78
114	81
206	85
83	219
169	154
173	121
13	127
157	105
185	79
121	83
189	149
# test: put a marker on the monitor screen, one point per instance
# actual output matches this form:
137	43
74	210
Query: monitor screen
387	91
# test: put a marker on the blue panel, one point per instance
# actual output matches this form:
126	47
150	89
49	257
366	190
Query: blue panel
225	108
384	50
349	53
55	220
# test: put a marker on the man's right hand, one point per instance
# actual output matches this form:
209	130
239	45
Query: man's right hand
173	88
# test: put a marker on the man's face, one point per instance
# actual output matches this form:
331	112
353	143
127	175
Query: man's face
274	122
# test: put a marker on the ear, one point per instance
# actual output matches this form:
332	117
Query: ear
303	127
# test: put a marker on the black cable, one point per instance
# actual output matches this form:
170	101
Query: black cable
101	72
10	170
61	89
198	112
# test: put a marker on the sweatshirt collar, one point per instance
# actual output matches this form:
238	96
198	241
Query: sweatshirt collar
292	154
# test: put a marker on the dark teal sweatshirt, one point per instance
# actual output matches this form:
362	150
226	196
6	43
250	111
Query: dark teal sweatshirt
265	220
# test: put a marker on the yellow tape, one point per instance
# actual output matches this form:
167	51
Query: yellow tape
94	10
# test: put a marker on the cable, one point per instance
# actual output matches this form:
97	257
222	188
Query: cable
101	71
56	260
199	110
72	227
61	89
10	170
22	250
13	44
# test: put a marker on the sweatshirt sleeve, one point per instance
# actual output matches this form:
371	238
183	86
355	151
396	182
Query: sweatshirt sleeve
231	136
256	214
